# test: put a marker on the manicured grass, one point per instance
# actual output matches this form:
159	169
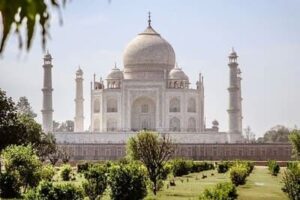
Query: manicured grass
260	185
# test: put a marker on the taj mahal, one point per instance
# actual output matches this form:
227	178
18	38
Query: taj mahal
150	92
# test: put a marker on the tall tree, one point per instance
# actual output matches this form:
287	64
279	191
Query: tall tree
21	129
276	134
294	137
153	151
24	108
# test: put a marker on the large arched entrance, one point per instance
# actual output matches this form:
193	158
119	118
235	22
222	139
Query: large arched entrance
143	114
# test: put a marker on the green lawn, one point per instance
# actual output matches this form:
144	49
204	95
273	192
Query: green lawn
260	185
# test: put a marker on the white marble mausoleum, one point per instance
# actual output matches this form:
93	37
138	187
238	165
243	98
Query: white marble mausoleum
150	92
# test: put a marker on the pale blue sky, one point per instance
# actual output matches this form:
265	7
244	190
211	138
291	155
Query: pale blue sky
265	34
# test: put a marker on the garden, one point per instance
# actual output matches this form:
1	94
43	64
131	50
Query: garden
147	172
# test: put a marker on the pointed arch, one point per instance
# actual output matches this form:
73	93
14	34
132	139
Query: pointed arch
112	105
174	124
174	105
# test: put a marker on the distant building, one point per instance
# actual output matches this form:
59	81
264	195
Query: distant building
151	92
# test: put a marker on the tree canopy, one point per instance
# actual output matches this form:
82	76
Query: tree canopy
153	151
276	134
21	129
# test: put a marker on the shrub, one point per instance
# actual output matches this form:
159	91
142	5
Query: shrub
9	185
82	167
201	166
46	190
96	181
222	191
292	164
238	174
291	181
181	167
223	167
66	172
47	172
273	167
22	160
127	182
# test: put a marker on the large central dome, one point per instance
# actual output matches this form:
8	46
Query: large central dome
147	56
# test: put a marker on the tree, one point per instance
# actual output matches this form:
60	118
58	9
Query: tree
24	108
21	129
249	135
294	137
127	182
11	130
276	134
23	161
19	13
153	151
96	181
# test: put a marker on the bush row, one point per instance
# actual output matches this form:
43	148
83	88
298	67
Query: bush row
180	167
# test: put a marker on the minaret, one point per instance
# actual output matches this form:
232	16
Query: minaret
47	111
79	118
234	110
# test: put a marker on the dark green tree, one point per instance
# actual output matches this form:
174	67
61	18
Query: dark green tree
20	129
127	182
22	160
153	151
96	181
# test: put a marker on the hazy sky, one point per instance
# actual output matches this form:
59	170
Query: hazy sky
265	34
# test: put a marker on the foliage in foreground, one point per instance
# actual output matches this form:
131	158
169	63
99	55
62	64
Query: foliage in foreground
47	190
153	151
239	171
291	181
273	167
127	182
96	182
222	191
19	128
66	172
10	186
24	163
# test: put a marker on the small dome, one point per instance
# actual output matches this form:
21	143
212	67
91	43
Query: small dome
79	71
177	74
233	54
115	73
215	123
